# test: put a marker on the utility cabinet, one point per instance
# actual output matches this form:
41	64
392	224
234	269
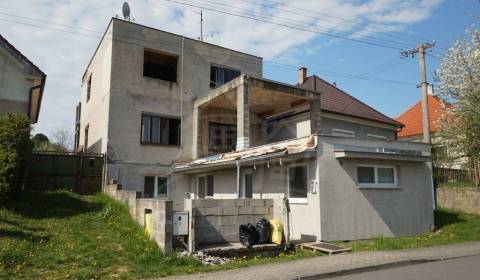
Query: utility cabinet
180	223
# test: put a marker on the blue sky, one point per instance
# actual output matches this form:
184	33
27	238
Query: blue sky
61	36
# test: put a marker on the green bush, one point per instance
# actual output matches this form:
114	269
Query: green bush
15	152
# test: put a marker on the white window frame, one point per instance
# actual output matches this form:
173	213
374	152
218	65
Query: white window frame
197	186
375	176
297	200
376	137
155	185
343	132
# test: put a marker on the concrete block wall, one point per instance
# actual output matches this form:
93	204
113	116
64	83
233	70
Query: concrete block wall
216	221
161	213
462	199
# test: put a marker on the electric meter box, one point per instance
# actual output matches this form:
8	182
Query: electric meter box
180	223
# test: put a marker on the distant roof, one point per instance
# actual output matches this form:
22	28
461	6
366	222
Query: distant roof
412	118
337	101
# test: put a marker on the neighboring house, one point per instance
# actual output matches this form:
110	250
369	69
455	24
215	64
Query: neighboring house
21	83
179	118
412	119
413	130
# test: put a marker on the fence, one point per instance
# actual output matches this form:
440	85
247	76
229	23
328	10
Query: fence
466	176
81	173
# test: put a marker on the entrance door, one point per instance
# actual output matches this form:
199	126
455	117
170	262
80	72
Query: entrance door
247	184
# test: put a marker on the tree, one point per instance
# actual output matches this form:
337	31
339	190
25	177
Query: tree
459	77
62	140
40	142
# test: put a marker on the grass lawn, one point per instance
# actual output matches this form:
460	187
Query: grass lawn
451	227
59	235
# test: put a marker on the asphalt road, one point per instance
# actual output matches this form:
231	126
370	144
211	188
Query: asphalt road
467	268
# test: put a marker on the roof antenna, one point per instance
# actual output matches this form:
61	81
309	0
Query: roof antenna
201	25
126	11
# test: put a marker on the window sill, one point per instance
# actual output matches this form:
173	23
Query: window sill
160	145
158	79
298	200
378	186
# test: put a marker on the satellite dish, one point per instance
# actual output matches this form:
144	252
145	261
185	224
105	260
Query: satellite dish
126	11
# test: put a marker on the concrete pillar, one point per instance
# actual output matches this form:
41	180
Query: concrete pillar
197	132
315	116
243	116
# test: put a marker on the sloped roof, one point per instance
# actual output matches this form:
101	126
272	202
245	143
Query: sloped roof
336	100
412	118
31	69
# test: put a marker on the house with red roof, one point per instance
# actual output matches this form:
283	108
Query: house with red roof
413	119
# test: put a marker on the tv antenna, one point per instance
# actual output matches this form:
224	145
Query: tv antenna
201	25
126	11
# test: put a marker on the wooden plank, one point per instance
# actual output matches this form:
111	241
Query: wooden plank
325	247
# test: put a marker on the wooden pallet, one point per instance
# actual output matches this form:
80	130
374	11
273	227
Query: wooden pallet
325	247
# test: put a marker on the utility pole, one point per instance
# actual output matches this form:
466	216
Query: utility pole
420	50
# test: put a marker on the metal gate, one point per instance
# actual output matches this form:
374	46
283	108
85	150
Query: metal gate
80	172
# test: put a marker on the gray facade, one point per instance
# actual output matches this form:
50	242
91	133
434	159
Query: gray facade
335	205
120	93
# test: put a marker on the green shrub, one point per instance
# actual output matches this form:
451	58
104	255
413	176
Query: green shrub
15	152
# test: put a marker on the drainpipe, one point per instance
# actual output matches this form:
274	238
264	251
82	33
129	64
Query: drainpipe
238	179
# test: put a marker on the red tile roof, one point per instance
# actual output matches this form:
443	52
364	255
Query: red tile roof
336	100
412	118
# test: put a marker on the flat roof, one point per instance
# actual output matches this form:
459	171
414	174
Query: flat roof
159	30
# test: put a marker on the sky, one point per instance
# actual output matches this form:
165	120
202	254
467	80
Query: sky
354	43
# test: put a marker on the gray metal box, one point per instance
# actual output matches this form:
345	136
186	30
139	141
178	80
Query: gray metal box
180	223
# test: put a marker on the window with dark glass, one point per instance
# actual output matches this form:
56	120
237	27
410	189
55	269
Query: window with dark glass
366	174
89	87
205	186
160	66
222	138
160	130
220	75
149	187
297	181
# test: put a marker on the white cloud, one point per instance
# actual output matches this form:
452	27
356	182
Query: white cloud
64	55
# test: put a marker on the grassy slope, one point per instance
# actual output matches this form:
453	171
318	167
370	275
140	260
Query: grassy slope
61	235
451	227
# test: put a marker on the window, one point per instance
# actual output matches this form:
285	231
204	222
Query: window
222	138
85	140
376	137
342	133
220	75
160	130
160	66
155	186
297	178
205	186
376	176
89	87
247	185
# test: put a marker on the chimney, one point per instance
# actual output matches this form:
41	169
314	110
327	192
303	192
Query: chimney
430	89
302	75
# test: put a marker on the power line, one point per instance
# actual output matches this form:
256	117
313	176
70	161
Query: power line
132	40
330	34
351	21
297	23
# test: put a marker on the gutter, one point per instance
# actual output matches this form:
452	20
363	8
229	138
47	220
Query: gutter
41	87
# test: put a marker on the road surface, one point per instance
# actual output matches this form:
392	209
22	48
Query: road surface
467	268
